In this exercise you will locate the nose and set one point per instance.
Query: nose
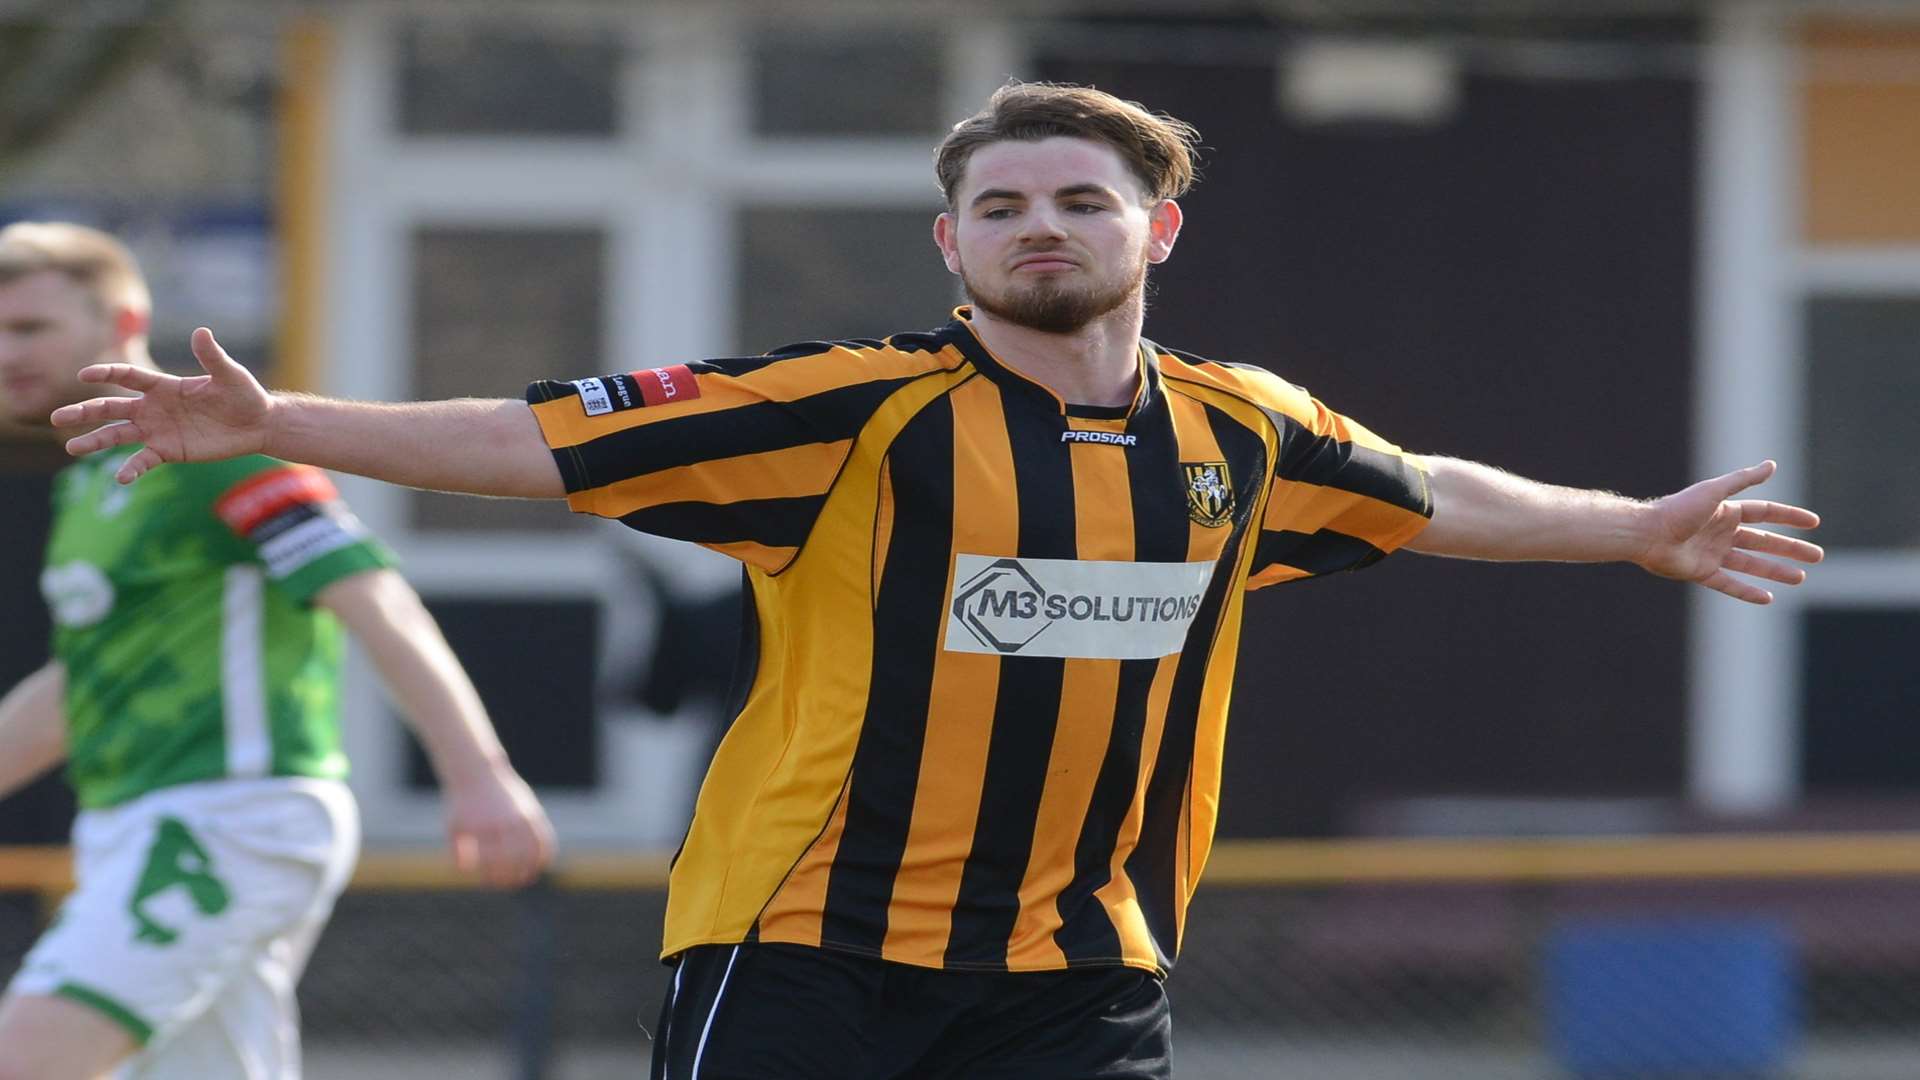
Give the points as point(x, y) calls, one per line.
point(1042, 223)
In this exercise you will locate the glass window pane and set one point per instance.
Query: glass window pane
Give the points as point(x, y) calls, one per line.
point(1860, 686)
point(812, 273)
point(464, 80)
point(1863, 443)
point(876, 82)
point(494, 309)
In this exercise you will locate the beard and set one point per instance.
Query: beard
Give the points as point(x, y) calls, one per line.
point(1054, 307)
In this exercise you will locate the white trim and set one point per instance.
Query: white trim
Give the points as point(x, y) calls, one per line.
point(243, 682)
point(1742, 722)
point(1875, 579)
point(1869, 271)
point(666, 1024)
point(701, 1050)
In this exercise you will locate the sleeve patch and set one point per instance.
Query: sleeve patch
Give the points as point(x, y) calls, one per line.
point(265, 496)
point(294, 548)
point(633, 389)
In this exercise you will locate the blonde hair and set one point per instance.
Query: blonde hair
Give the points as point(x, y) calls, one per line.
point(1161, 151)
point(93, 259)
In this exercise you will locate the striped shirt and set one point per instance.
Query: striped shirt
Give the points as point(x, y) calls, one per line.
point(994, 634)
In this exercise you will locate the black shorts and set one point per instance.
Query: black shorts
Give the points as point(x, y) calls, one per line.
point(789, 1012)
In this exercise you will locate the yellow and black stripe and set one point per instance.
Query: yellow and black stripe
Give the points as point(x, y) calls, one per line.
point(1014, 769)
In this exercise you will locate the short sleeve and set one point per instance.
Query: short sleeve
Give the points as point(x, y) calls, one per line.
point(736, 455)
point(1342, 498)
point(293, 521)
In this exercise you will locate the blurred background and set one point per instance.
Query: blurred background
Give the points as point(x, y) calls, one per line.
point(1485, 821)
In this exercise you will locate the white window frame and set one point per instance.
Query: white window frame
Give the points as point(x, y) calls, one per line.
point(1756, 277)
point(665, 187)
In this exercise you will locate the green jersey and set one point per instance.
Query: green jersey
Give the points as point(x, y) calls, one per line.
point(182, 611)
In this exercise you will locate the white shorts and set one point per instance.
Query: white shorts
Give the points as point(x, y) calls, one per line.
point(194, 912)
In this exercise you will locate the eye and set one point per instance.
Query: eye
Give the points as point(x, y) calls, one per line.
point(998, 213)
point(1086, 208)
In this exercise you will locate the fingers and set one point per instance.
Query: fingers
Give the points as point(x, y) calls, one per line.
point(114, 434)
point(138, 465)
point(466, 852)
point(98, 410)
point(505, 856)
point(1761, 512)
point(1755, 566)
point(1775, 544)
point(125, 375)
point(1739, 480)
point(1721, 581)
point(213, 359)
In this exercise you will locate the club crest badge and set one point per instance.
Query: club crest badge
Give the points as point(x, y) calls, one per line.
point(1209, 493)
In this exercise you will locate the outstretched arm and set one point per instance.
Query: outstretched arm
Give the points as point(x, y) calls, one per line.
point(495, 825)
point(473, 446)
point(1701, 534)
point(33, 727)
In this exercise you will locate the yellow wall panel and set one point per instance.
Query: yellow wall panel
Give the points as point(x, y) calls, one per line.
point(1860, 138)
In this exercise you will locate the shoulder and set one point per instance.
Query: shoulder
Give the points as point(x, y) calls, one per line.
point(216, 478)
point(1254, 385)
point(244, 491)
point(894, 356)
point(789, 373)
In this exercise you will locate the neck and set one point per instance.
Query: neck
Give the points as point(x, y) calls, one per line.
point(1098, 364)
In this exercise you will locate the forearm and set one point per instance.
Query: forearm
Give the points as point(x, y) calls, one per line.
point(435, 697)
point(469, 445)
point(1480, 512)
point(33, 731)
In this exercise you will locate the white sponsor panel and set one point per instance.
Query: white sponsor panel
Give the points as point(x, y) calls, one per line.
point(593, 395)
point(1075, 608)
point(307, 541)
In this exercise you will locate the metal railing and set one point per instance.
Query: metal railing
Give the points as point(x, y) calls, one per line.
point(1325, 959)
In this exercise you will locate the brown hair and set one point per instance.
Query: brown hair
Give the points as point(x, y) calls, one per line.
point(1159, 149)
point(93, 259)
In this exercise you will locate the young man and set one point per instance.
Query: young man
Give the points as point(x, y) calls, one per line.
point(192, 695)
point(998, 570)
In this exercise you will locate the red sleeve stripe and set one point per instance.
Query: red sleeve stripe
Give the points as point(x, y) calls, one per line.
point(257, 499)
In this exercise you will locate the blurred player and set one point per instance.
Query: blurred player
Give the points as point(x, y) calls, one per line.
point(998, 571)
point(192, 696)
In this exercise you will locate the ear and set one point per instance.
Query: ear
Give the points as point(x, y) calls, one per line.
point(1163, 228)
point(944, 227)
point(129, 323)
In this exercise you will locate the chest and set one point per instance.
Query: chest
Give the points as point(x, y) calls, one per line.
point(1164, 486)
point(112, 543)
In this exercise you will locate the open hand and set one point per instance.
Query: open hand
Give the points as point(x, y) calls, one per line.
point(221, 414)
point(1705, 536)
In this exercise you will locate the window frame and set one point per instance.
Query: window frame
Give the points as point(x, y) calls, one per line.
point(1757, 274)
point(664, 188)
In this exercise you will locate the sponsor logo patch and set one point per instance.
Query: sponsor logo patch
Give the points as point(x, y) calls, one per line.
point(1113, 437)
point(593, 396)
point(297, 547)
point(633, 389)
point(257, 499)
point(1072, 607)
point(1209, 492)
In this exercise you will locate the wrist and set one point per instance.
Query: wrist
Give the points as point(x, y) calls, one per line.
point(275, 421)
point(1639, 530)
point(476, 765)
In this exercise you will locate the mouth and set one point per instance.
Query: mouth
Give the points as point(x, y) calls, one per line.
point(1041, 264)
